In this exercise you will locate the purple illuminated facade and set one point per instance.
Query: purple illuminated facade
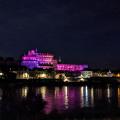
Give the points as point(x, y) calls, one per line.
point(38, 60)
point(46, 61)
point(70, 67)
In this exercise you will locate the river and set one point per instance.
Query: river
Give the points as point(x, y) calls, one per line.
point(61, 102)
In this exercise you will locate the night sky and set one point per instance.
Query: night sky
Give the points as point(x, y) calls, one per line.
point(80, 31)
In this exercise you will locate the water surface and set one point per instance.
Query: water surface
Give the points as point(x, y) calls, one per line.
point(66, 102)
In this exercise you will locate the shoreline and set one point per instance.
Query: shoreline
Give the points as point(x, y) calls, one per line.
point(53, 82)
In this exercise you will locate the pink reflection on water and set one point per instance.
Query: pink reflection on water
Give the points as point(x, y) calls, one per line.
point(65, 98)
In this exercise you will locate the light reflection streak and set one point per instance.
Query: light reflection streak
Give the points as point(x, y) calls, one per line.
point(86, 96)
point(99, 93)
point(118, 97)
point(92, 97)
point(56, 92)
point(1, 94)
point(24, 92)
point(81, 97)
point(42, 91)
point(66, 97)
point(108, 92)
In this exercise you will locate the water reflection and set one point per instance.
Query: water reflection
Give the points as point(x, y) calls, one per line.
point(84, 96)
point(69, 98)
point(108, 92)
point(20, 100)
point(57, 90)
point(42, 91)
point(59, 100)
point(119, 97)
point(92, 97)
point(1, 94)
point(24, 92)
point(66, 97)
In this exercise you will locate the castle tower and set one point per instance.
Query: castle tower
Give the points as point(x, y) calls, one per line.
point(59, 60)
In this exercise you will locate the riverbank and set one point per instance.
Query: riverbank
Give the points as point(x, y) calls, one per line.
point(54, 82)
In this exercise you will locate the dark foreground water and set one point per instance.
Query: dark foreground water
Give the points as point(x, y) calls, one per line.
point(65, 103)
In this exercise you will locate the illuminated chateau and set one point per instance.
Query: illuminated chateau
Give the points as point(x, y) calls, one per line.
point(33, 59)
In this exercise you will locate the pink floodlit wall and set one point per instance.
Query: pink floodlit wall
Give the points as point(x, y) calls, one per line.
point(37, 60)
point(70, 67)
point(42, 58)
point(46, 61)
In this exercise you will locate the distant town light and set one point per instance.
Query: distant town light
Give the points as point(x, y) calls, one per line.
point(1, 73)
point(25, 76)
point(43, 75)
